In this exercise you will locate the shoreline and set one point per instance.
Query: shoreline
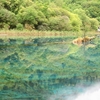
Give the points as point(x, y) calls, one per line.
point(41, 34)
point(35, 34)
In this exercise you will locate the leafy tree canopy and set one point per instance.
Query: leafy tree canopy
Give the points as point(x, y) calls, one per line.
point(60, 15)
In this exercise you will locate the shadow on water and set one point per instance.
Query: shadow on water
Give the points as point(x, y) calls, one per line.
point(39, 69)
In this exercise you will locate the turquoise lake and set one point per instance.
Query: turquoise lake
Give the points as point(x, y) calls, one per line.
point(48, 69)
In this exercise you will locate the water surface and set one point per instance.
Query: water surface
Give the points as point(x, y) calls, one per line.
point(48, 69)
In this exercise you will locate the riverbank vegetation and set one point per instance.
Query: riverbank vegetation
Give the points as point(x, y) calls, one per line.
point(49, 15)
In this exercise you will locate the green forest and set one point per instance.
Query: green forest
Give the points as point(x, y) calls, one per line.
point(49, 15)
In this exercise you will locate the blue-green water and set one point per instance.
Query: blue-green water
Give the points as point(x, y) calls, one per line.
point(47, 68)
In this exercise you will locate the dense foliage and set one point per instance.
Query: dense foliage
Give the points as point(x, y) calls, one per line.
point(59, 15)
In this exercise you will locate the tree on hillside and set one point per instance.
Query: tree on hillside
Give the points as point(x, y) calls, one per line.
point(86, 21)
point(31, 16)
point(92, 9)
point(7, 19)
point(12, 5)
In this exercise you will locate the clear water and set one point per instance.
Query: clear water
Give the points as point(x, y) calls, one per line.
point(49, 69)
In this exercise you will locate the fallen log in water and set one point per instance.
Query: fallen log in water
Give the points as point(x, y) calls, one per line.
point(80, 41)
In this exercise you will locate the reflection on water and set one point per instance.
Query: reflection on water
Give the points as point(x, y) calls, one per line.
point(47, 69)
